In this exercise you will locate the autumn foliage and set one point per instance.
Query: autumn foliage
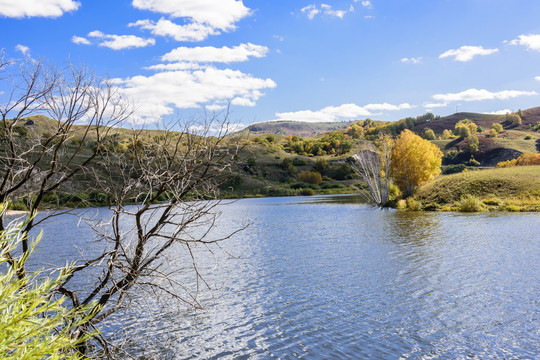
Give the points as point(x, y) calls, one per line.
point(415, 161)
point(522, 160)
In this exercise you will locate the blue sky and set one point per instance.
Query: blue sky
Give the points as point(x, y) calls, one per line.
point(299, 60)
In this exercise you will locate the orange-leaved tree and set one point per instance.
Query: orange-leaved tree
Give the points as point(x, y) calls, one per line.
point(415, 161)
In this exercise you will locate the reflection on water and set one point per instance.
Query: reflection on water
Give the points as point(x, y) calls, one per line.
point(330, 277)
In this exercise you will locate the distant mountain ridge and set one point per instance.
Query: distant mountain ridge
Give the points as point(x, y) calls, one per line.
point(298, 128)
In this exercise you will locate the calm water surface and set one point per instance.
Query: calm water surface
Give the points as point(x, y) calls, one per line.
point(329, 277)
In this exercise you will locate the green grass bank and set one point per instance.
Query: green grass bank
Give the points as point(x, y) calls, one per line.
point(504, 189)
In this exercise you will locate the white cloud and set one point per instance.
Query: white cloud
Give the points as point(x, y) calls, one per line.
point(37, 8)
point(278, 37)
point(531, 41)
point(80, 40)
point(366, 4)
point(499, 112)
point(338, 113)
point(467, 53)
point(160, 94)
point(435, 105)
point(327, 9)
point(25, 50)
point(175, 66)
point(310, 11)
point(188, 32)
point(222, 14)
point(209, 54)
point(216, 107)
point(387, 107)
point(537, 78)
point(482, 94)
point(119, 42)
point(417, 60)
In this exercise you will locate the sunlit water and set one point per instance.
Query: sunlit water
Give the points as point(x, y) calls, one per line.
point(327, 277)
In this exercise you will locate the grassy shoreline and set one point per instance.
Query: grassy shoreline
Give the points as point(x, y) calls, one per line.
point(506, 189)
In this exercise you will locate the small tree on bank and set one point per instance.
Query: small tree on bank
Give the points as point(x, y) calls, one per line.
point(415, 161)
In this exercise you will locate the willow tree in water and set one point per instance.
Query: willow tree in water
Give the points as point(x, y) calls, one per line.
point(373, 164)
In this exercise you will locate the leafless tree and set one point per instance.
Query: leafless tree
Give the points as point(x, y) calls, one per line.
point(373, 164)
point(171, 177)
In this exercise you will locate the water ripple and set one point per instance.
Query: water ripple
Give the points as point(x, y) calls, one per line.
point(312, 279)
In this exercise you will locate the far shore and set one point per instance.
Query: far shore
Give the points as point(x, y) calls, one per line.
point(16, 212)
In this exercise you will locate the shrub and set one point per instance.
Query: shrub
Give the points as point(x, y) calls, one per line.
point(311, 177)
point(21, 130)
point(413, 205)
point(528, 137)
point(320, 165)
point(473, 162)
point(299, 161)
point(470, 203)
point(332, 185)
point(393, 192)
point(301, 185)
point(507, 163)
point(492, 201)
point(454, 169)
point(447, 134)
point(522, 160)
point(513, 119)
point(34, 323)
point(528, 159)
point(497, 127)
point(465, 127)
point(307, 192)
point(492, 133)
point(401, 204)
point(472, 143)
point(451, 156)
point(429, 134)
point(286, 164)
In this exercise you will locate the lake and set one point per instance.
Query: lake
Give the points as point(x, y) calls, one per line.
point(330, 277)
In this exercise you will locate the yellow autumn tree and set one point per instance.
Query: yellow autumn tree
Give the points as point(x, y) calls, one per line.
point(415, 161)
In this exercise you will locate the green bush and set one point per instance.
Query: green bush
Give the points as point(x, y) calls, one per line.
point(470, 203)
point(428, 134)
point(497, 127)
point(454, 169)
point(299, 161)
point(307, 192)
point(331, 185)
point(513, 119)
point(303, 185)
point(21, 130)
point(473, 162)
point(34, 323)
point(99, 197)
point(413, 204)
